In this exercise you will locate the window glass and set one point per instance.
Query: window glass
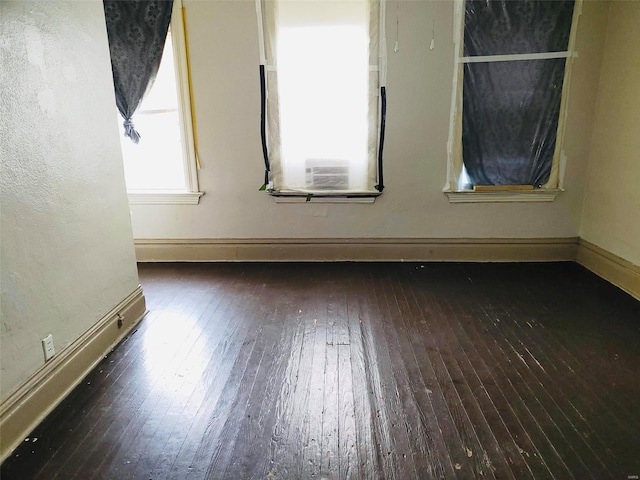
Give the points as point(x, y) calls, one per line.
point(511, 106)
point(323, 113)
point(323, 70)
point(156, 162)
point(510, 27)
point(510, 120)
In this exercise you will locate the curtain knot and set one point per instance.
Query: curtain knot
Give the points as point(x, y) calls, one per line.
point(130, 131)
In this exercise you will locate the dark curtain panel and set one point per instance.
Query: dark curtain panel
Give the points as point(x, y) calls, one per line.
point(137, 30)
point(521, 26)
point(511, 109)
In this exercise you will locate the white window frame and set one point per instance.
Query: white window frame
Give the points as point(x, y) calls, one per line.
point(267, 45)
point(555, 185)
point(191, 195)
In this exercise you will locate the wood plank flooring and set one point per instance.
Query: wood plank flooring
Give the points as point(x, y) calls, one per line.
point(364, 371)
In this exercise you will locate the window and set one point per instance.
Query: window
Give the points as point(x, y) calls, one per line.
point(322, 65)
point(161, 168)
point(511, 77)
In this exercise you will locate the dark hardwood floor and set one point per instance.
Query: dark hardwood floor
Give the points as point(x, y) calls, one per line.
point(336, 371)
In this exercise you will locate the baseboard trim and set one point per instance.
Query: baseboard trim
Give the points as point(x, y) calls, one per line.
point(612, 268)
point(357, 250)
point(25, 408)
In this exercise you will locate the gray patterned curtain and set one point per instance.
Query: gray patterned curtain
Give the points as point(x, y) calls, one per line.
point(511, 109)
point(137, 30)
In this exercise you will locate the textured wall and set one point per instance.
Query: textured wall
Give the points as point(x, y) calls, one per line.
point(224, 61)
point(66, 245)
point(611, 216)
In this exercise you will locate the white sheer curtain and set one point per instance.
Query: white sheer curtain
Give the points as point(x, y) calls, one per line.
point(324, 62)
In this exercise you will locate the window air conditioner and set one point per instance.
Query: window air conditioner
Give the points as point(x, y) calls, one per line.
point(327, 174)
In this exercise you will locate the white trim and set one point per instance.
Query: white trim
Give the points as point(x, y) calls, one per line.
point(184, 96)
point(558, 167)
point(261, 49)
point(562, 168)
point(458, 42)
point(514, 57)
point(164, 198)
point(458, 10)
point(382, 43)
point(32, 401)
point(471, 196)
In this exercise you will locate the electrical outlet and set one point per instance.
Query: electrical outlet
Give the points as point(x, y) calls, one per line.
point(47, 346)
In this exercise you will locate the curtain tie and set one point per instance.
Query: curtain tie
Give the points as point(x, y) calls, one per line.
point(130, 131)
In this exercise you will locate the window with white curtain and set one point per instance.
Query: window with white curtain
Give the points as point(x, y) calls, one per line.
point(323, 78)
point(161, 168)
point(511, 79)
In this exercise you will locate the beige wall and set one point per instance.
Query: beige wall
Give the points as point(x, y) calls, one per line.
point(224, 60)
point(611, 217)
point(66, 243)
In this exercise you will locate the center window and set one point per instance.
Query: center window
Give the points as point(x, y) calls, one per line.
point(323, 102)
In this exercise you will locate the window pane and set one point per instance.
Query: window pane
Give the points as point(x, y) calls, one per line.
point(156, 163)
point(510, 27)
point(510, 120)
point(163, 93)
point(323, 87)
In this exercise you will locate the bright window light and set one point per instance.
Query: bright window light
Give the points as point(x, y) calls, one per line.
point(156, 162)
point(323, 87)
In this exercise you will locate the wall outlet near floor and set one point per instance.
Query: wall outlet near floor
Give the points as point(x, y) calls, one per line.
point(47, 346)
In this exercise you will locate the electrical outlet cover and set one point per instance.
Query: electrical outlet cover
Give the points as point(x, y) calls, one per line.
point(47, 346)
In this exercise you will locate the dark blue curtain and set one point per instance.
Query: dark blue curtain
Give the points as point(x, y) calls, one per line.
point(511, 109)
point(137, 30)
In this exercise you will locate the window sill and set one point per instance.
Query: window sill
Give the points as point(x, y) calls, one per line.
point(304, 199)
point(335, 196)
point(163, 198)
point(502, 197)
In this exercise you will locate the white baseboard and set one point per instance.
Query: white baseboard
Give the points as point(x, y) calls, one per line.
point(612, 268)
point(25, 408)
point(357, 250)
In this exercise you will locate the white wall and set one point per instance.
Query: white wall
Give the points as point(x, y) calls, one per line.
point(611, 217)
point(224, 61)
point(66, 245)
